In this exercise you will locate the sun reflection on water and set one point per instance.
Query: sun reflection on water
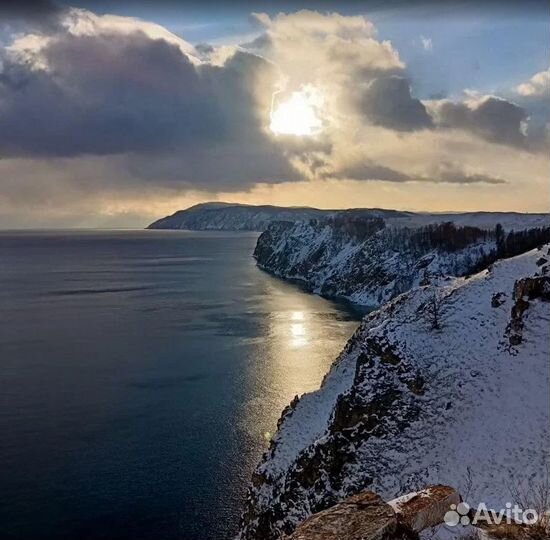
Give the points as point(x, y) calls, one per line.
point(304, 334)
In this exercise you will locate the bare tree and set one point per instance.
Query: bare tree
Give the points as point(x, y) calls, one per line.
point(534, 494)
point(434, 311)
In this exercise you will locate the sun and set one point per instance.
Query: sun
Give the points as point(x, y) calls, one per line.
point(299, 114)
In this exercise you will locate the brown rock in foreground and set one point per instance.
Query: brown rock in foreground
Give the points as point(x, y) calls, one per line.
point(363, 516)
point(426, 508)
point(367, 517)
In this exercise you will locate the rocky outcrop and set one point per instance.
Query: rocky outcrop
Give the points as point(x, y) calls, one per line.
point(407, 404)
point(366, 516)
point(426, 508)
point(525, 291)
point(362, 517)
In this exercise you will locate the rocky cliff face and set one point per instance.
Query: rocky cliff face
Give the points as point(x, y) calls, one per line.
point(369, 261)
point(430, 389)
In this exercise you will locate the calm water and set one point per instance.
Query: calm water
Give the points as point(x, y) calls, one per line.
point(140, 375)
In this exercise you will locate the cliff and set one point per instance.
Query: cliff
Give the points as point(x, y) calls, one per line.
point(434, 387)
point(372, 260)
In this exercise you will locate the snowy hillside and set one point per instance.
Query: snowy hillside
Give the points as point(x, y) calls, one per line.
point(445, 384)
point(370, 261)
point(231, 217)
point(483, 220)
point(244, 217)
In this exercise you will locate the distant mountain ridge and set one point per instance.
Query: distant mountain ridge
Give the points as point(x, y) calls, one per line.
point(222, 216)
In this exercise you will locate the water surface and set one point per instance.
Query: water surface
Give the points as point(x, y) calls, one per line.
point(141, 373)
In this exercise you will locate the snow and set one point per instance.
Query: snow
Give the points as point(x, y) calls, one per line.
point(242, 217)
point(397, 503)
point(484, 220)
point(481, 424)
point(310, 418)
point(365, 270)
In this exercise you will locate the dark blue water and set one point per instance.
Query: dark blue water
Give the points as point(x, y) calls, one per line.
point(141, 373)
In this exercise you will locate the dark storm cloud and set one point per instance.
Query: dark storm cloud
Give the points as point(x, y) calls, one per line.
point(104, 95)
point(453, 174)
point(495, 119)
point(28, 8)
point(27, 15)
point(538, 125)
point(368, 170)
point(387, 102)
point(421, 6)
point(128, 93)
point(204, 49)
point(445, 173)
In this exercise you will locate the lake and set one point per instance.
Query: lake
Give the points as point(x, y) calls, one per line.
point(141, 375)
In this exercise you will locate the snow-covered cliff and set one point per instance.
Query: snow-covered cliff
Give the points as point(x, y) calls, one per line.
point(447, 383)
point(371, 260)
point(368, 265)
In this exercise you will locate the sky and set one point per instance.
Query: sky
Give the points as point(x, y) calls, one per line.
point(115, 114)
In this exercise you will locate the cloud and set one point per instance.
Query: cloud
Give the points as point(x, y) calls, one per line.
point(24, 15)
point(110, 85)
point(104, 90)
point(368, 170)
point(387, 102)
point(538, 85)
point(453, 173)
point(443, 173)
point(80, 22)
point(103, 95)
point(120, 114)
point(28, 8)
point(340, 55)
point(326, 50)
point(492, 118)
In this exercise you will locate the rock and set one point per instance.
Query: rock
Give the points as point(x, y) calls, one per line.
point(498, 299)
point(511, 531)
point(361, 517)
point(532, 288)
point(426, 508)
point(288, 410)
point(525, 290)
point(367, 517)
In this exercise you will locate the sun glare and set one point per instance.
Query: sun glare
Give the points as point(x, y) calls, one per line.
point(298, 115)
